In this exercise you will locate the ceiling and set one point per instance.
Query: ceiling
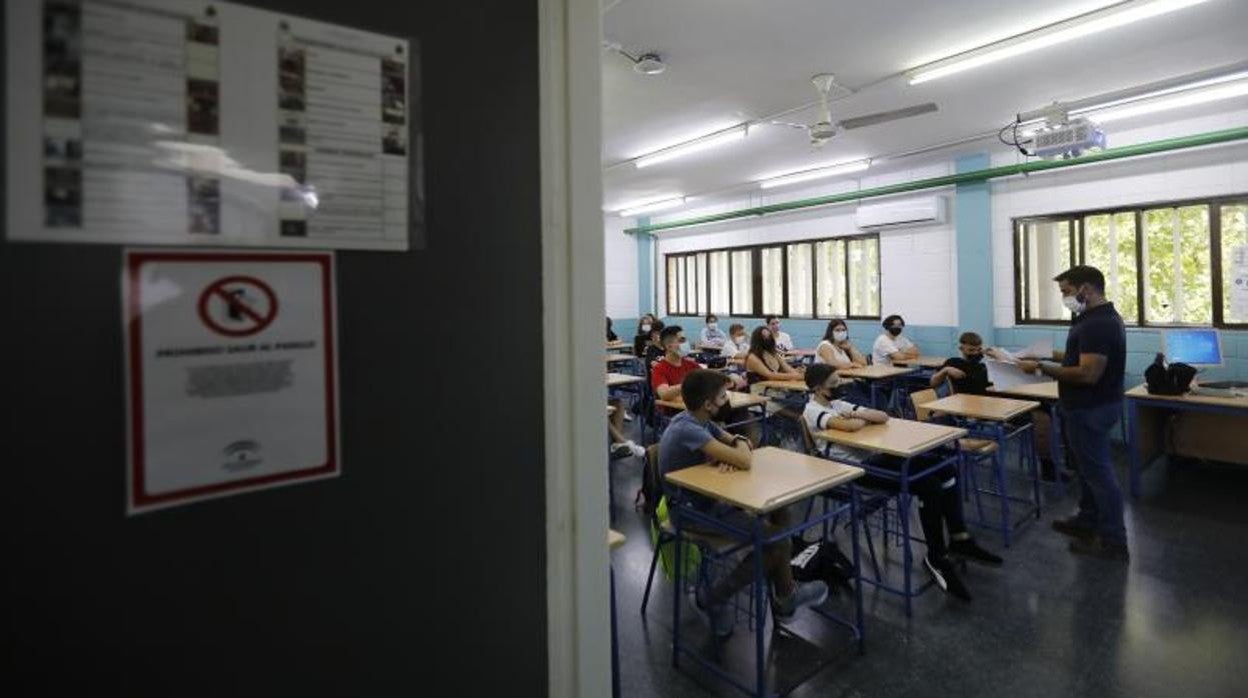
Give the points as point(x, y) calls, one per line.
point(736, 60)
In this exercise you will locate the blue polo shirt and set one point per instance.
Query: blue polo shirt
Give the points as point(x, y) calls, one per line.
point(1097, 331)
point(681, 447)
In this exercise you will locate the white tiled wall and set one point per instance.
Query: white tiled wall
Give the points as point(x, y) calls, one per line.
point(1214, 171)
point(621, 268)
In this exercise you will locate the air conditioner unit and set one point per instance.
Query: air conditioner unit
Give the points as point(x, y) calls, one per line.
point(897, 214)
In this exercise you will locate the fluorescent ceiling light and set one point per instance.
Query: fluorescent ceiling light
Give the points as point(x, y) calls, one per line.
point(694, 146)
point(652, 206)
point(1212, 94)
point(1052, 35)
point(808, 175)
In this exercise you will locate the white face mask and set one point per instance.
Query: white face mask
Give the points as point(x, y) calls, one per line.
point(712, 325)
point(645, 329)
point(840, 335)
point(1072, 304)
point(739, 341)
point(683, 349)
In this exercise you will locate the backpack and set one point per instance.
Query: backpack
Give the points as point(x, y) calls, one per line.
point(1168, 380)
point(821, 560)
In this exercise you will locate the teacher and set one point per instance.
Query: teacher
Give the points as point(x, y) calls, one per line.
point(1089, 384)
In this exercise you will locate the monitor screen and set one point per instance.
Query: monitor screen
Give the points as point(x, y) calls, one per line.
point(1199, 347)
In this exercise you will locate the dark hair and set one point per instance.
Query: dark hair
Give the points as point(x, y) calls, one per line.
point(1082, 274)
point(669, 332)
point(734, 327)
point(611, 336)
point(657, 326)
point(889, 320)
point(970, 338)
point(712, 315)
point(767, 320)
point(701, 385)
point(756, 340)
point(832, 325)
point(642, 320)
point(816, 374)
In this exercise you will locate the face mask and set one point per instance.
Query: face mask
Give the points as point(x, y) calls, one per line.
point(895, 331)
point(645, 329)
point(739, 340)
point(683, 349)
point(840, 335)
point(1073, 303)
point(712, 325)
point(974, 358)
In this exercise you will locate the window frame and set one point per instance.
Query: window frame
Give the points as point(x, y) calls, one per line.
point(1079, 246)
point(756, 273)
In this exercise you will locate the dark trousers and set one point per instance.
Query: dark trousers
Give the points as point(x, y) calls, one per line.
point(1100, 499)
point(776, 555)
point(940, 502)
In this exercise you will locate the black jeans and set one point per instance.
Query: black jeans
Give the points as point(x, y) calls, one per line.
point(940, 501)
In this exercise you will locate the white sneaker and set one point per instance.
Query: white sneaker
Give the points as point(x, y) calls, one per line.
point(638, 451)
point(628, 417)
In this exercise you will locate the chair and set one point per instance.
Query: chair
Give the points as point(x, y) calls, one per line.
point(665, 533)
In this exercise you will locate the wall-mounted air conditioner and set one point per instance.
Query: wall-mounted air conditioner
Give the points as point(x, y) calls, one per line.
point(928, 210)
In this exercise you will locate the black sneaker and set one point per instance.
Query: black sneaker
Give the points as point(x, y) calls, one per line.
point(1074, 527)
point(942, 571)
point(1100, 548)
point(970, 550)
point(1049, 472)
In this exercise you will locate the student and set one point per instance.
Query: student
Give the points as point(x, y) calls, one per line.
point(835, 349)
point(692, 439)
point(737, 346)
point(712, 336)
point(642, 338)
point(621, 446)
point(653, 350)
point(892, 345)
point(966, 373)
point(783, 341)
point(669, 372)
point(611, 336)
point(764, 362)
point(940, 502)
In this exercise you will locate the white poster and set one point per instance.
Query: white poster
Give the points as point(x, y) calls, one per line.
point(1237, 282)
point(206, 123)
point(231, 372)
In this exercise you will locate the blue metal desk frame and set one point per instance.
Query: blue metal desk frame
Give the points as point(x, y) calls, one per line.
point(1134, 461)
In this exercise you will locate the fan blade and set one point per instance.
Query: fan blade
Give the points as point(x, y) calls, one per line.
point(885, 116)
point(803, 127)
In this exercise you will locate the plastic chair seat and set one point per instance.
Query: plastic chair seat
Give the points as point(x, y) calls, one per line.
point(978, 446)
point(718, 544)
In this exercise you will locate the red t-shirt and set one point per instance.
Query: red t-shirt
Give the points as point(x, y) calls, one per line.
point(664, 373)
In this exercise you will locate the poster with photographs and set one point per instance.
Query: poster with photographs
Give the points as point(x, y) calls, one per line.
point(150, 120)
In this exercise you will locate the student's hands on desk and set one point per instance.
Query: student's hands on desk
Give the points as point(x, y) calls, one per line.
point(741, 444)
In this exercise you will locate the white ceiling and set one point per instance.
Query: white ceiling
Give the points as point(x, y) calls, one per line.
point(737, 60)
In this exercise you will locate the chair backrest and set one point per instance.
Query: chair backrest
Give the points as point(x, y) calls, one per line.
point(812, 448)
point(919, 398)
point(651, 487)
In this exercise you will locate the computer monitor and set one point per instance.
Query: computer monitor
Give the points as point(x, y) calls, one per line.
point(1195, 346)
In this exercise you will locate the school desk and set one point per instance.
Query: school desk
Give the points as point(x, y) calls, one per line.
point(1200, 426)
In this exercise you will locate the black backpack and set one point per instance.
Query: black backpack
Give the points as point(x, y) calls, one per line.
point(821, 560)
point(1168, 380)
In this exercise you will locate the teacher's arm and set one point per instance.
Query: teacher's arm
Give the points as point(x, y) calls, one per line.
point(1090, 369)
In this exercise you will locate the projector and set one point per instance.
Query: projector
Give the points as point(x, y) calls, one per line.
point(1067, 140)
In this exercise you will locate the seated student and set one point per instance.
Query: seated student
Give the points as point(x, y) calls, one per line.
point(764, 362)
point(667, 373)
point(892, 345)
point(611, 336)
point(621, 445)
point(783, 341)
point(652, 350)
point(642, 338)
point(966, 373)
point(712, 336)
point(692, 439)
point(737, 345)
point(835, 349)
point(940, 502)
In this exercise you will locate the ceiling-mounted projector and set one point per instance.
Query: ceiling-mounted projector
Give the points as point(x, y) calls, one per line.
point(1067, 139)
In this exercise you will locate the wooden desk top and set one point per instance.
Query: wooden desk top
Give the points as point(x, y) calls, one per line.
point(619, 358)
point(1140, 392)
point(614, 538)
point(997, 409)
point(800, 352)
point(710, 347)
point(776, 478)
point(896, 437)
point(1046, 391)
point(618, 379)
point(736, 400)
point(922, 362)
point(874, 372)
point(618, 344)
point(793, 386)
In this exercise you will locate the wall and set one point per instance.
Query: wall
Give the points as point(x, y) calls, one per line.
point(620, 258)
point(387, 581)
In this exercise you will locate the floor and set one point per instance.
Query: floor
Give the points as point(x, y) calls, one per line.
point(1174, 622)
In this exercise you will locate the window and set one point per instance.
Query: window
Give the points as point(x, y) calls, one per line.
point(1233, 265)
point(773, 281)
point(838, 277)
point(1163, 265)
point(801, 286)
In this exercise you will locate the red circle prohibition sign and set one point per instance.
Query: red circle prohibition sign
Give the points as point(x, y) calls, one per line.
point(243, 317)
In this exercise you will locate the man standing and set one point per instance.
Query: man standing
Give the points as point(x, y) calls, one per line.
point(1090, 394)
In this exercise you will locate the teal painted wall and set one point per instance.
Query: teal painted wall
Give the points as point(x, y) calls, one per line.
point(645, 275)
point(972, 212)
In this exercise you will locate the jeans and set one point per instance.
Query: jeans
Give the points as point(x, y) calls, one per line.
point(1100, 500)
point(776, 555)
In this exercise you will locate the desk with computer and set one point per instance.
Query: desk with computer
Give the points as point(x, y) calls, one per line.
point(1208, 422)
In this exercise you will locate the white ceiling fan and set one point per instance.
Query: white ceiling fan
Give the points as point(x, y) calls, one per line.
point(825, 129)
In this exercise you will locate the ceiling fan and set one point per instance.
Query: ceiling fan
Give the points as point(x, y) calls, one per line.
point(825, 129)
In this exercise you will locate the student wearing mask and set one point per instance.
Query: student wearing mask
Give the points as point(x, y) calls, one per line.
point(737, 345)
point(783, 341)
point(835, 349)
point(653, 350)
point(642, 338)
point(940, 502)
point(966, 373)
point(692, 439)
point(669, 372)
point(712, 336)
point(892, 344)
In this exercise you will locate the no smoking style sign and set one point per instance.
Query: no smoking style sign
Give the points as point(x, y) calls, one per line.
point(231, 373)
